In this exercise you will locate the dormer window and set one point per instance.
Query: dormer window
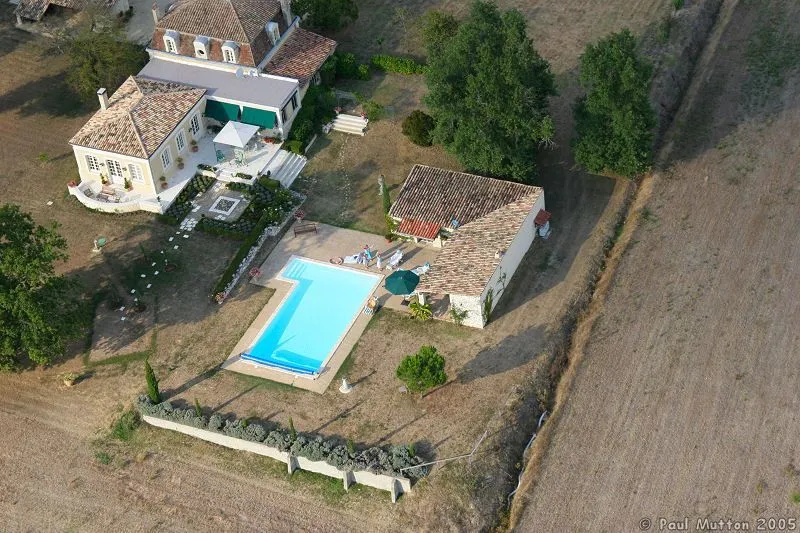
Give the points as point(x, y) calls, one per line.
point(201, 47)
point(171, 40)
point(230, 52)
point(274, 32)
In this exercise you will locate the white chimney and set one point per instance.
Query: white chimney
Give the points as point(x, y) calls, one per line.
point(102, 95)
point(286, 7)
point(155, 12)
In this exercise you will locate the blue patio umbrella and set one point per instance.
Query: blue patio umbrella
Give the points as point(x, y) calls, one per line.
point(401, 282)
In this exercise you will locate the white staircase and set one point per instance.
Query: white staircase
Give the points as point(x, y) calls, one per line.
point(352, 124)
point(286, 166)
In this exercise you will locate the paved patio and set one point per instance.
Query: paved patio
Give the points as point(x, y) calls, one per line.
point(327, 243)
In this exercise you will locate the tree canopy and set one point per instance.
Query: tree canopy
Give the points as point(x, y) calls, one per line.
point(488, 92)
point(423, 370)
point(101, 58)
point(614, 120)
point(326, 14)
point(39, 310)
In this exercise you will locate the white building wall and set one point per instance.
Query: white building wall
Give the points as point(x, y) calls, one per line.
point(473, 305)
point(513, 255)
point(504, 272)
point(124, 160)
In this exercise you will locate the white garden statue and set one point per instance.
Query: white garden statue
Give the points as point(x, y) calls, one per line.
point(345, 387)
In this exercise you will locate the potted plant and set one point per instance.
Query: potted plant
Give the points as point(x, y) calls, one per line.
point(103, 179)
point(72, 184)
point(179, 160)
point(337, 109)
point(164, 185)
point(194, 146)
point(70, 378)
point(128, 185)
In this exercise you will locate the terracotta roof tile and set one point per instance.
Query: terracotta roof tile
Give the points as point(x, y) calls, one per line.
point(35, 9)
point(441, 196)
point(418, 228)
point(301, 55)
point(469, 258)
point(140, 116)
point(235, 20)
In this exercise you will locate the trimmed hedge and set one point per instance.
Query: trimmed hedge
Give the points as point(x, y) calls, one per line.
point(400, 65)
point(388, 461)
point(182, 205)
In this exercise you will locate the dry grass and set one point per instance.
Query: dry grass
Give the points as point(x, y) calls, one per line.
point(687, 371)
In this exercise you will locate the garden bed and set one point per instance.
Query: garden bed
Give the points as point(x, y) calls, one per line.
point(182, 205)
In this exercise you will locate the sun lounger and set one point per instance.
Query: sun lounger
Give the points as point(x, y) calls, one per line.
point(394, 261)
point(422, 269)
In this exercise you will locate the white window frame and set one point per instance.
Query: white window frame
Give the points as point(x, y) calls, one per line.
point(201, 47)
point(194, 125)
point(274, 32)
point(166, 158)
point(230, 52)
point(113, 165)
point(136, 173)
point(180, 141)
point(93, 164)
point(170, 45)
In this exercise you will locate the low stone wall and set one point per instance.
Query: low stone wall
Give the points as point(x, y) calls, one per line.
point(115, 207)
point(395, 485)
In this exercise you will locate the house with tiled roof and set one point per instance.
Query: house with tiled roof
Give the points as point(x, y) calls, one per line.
point(248, 62)
point(138, 136)
point(483, 226)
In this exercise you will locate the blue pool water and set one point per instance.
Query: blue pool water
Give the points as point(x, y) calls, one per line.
point(313, 318)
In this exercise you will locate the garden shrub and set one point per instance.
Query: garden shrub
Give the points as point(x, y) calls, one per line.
point(182, 205)
point(373, 110)
point(234, 428)
point(125, 425)
point(255, 433)
point(423, 370)
point(279, 439)
point(341, 458)
point(152, 383)
point(400, 65)
point(294, 146)
point(417, 127)
point(215, 423)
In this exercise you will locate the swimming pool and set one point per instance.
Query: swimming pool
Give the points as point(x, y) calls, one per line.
point(314, 317)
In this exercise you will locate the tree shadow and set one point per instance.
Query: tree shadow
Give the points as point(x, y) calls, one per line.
point(399, 428)
point(49, 95)
point(343, 414)
point(510, 353)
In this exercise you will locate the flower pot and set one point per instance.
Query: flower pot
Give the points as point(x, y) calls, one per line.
point(69, 382)
point(180, 165)
point(195, 148)
point(164, 185)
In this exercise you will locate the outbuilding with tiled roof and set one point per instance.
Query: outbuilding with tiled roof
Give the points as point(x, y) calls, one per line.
point(484, 226)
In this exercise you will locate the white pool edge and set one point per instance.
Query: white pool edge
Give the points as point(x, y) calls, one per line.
point(279, 276)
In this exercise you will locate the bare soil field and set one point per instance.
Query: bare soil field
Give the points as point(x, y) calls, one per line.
point(685, 399)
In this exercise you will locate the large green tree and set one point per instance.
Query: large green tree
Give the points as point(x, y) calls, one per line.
point(326, 14)
point(39, 310)
point(614, 120)
point(101, 58)
point(488, 92)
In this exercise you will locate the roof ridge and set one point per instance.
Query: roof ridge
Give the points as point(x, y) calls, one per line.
point(535, 193)
point(137, 131)
point(239, 21)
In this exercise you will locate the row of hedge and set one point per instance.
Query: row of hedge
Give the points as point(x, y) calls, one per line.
point(269, 205)
point(388, 461)
point(400, 65)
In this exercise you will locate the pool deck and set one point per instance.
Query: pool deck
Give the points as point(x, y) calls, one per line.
point(327, 243)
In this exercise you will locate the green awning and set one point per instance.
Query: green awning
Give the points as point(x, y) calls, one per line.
point(258, 117)
point(222, 111)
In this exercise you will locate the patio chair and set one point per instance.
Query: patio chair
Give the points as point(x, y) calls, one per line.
point(220, 156)
point(423, 269)
point(372, 304)
point(394, 260)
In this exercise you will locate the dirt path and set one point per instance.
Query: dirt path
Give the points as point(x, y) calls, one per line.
point(685, 403)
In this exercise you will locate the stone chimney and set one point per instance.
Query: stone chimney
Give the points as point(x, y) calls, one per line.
point(155, 12)
point(286, 8)
point(102, 95)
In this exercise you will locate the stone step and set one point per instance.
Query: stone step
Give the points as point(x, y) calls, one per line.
point(353, 130)
point(291, 169)
point(350, 119)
